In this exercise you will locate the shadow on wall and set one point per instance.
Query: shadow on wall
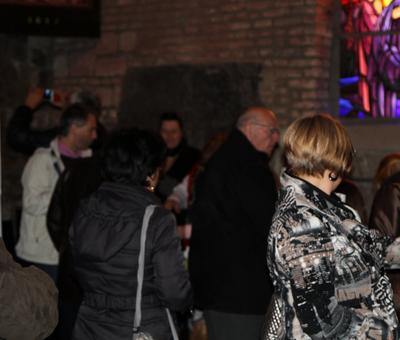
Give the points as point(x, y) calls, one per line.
point(209, 97)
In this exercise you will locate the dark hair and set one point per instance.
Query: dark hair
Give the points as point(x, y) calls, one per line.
point(74, 114)
point(171, 116)
point(132, 155)
point(87, 98)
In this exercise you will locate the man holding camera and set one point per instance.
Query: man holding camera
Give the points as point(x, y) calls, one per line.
point(24, 137)
point(20, 135)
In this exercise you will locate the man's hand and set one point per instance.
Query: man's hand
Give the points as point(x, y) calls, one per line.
point(34, 98)
point(172, 205)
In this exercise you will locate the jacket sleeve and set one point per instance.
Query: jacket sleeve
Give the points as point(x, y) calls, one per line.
point(307, 262)
point(180, 193)
point(37, 188)
point(171, 278)
point(57, 219)
point(21, 137)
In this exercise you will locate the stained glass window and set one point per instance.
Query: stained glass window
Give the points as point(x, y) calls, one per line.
point(370, 59)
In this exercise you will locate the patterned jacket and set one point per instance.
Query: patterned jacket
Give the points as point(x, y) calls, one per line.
point(327, 268)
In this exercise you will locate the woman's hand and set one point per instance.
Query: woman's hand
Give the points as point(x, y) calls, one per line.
point(392, 259)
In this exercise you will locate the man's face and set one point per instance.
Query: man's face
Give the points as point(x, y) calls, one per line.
point(264, 134)
point(85, 134)
point(171, 133)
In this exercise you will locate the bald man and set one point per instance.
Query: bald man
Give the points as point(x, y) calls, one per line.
point(232, 212)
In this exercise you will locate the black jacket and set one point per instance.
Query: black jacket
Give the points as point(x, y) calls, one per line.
point(21, 137)
point(232, 212)
point(105, 247)
point(77, 182)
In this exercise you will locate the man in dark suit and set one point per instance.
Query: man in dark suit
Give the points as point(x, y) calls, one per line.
point(233, 208)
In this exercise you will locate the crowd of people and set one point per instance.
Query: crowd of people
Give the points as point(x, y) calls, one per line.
point(146, 237)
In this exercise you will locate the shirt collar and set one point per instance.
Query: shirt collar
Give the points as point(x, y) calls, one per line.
point(67, 152)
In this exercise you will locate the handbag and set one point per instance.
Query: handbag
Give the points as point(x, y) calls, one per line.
point(137, 333)
point(274, 326)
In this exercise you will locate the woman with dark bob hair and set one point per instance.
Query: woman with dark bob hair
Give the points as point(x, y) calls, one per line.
point(106, 242)
point(327, 268)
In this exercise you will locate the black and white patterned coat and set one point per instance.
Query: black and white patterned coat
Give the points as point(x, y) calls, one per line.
point(327, 268)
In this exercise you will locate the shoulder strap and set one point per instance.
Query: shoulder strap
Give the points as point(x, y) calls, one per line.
point(138, 309)
point(145, 224)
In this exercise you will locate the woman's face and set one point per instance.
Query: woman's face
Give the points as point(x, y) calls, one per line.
point(171, 133)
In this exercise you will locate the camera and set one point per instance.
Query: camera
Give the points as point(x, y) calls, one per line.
point(48, 94)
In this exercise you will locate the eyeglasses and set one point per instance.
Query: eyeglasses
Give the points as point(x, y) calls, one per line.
point(271, 129)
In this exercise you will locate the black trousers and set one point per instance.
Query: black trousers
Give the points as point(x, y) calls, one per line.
point(229, 326)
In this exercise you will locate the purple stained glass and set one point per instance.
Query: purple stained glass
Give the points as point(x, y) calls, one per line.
point(373, 57)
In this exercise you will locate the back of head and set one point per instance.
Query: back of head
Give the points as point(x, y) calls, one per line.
point(88, 99)
point(74, 114)
point(131, 156)
point(388, 166)
point(317, 143)
point(254, 115)
point(260, 126)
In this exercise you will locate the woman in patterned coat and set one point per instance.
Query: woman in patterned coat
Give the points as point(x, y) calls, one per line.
point(327, 268)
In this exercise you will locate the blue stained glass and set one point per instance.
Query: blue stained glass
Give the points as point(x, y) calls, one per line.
point(348, 81)
point(345, 107)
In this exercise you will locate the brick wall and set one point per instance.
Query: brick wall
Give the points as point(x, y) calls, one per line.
point(23, 62)
point(290, 38)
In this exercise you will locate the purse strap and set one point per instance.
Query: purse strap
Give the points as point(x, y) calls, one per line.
point(140, 274)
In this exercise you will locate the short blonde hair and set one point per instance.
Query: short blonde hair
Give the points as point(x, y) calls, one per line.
point(317, 143)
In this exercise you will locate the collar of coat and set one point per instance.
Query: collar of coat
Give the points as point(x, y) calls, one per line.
point(244, 149)
point(307, 195)
point(56, 155)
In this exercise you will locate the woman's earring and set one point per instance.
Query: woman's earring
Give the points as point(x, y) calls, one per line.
point(151, 185)
point(333, 177)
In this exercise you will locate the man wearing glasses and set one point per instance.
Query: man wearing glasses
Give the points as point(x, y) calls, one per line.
point(232, 211)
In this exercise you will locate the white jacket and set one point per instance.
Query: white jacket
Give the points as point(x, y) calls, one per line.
point(38, 182)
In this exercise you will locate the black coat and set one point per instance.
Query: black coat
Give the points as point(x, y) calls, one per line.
point(232, 212)
point(105, 246)
point(21, 137)
point(80, 179)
